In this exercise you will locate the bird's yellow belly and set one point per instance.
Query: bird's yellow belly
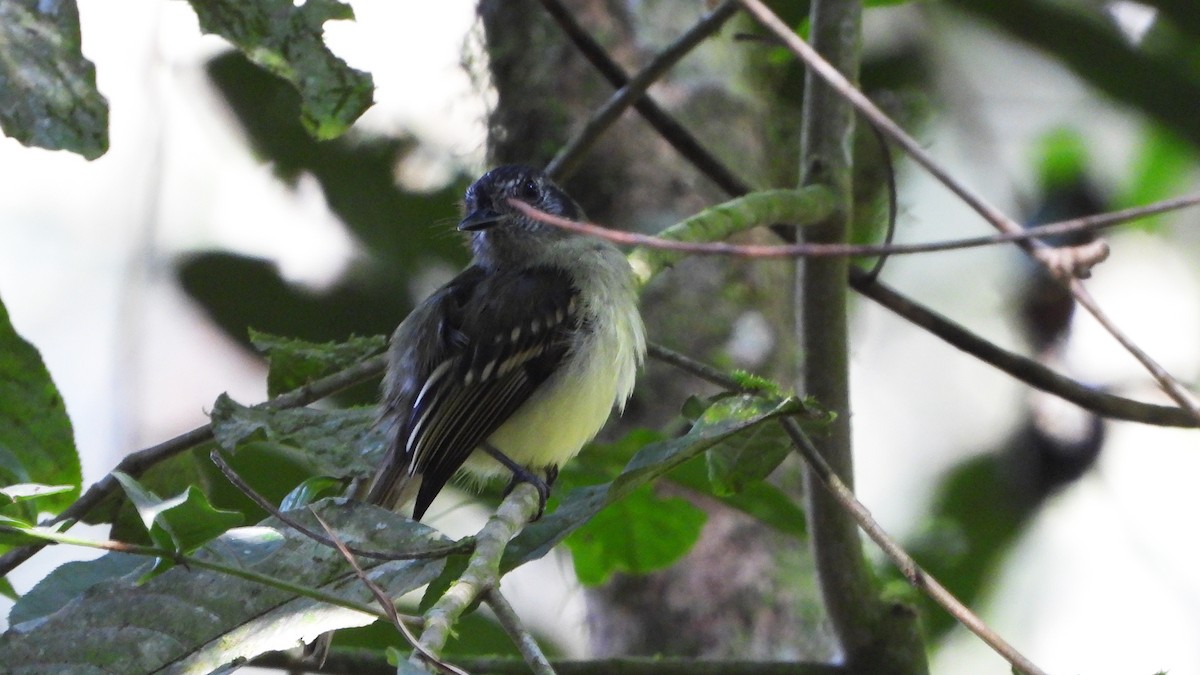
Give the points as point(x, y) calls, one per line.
point(553, 425)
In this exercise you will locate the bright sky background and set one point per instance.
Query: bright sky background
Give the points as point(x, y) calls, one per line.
point(1105, 581)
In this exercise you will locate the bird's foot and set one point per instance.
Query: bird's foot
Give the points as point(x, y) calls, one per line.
point(521, 474)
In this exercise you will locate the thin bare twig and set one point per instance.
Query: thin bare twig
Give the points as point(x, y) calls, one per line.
point(566, 161)
point(810, 250)
point(918, 577)
point(1062, 264)
point(530, 651)
point(666, 125)
point(382, 598)
point(886, 154)
point(1022, 368)
point(862, 516)
point(137, 463)
point(237, 481)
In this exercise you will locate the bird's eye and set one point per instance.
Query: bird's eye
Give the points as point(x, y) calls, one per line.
point(530, 191)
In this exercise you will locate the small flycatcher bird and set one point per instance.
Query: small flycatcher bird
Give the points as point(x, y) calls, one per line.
point(516, 363)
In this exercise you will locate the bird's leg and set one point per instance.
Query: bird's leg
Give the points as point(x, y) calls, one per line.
point(523, 475)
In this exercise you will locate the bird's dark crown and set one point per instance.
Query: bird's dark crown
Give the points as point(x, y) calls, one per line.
point(489, 195)
point(500, 234)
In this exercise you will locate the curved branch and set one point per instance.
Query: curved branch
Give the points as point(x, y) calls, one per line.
point(1024, 369)
point(811, 209)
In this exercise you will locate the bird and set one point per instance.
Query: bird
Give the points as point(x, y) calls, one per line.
point(516, 363)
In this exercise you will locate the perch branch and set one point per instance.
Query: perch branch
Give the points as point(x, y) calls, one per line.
point(483, 568)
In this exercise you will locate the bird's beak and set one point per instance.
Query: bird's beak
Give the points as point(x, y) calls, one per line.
point(480, 219)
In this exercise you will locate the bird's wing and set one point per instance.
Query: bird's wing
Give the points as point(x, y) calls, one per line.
point(500, 336)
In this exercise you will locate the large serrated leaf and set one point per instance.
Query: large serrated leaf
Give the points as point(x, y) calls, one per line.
point(70, 580)
point(48, 95)
point(339, 442)
point(286, 38)
point(293, 363)
point(195, 621)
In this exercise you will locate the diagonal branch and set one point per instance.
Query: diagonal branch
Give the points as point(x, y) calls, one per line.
point(862, 516)
point(1024, 369)
point(530, 651)
point(1062, 264)
point(916, 576)
point(666, 125)
point(483, 568)
point(569, 156)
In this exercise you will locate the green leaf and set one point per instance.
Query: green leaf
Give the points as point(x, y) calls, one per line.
point(17, 532)
point(22, 492)
point(317, 487)
point(341, 442)
point(454, 568)
point(285, 38)
point(1164, 166)
point(70, 580)
point(167, 477)
point(760, 500)
point(182, 523)
point(651, 462)
point(48, 95)
point(37, 444)
point(746, 457)
point(637, 535)
point(294, 363)
point(196, 620)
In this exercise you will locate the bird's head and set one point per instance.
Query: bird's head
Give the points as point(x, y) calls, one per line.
point(498, 230)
